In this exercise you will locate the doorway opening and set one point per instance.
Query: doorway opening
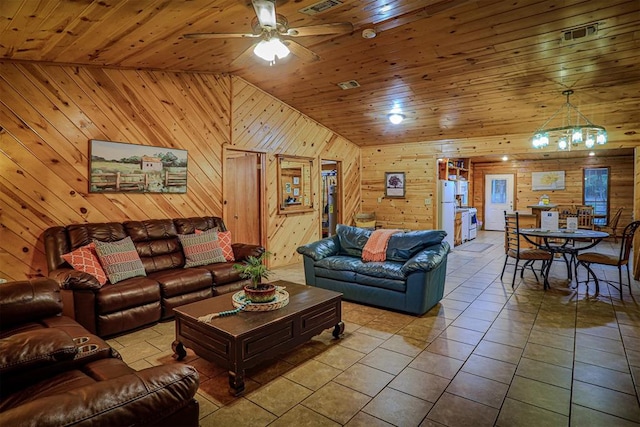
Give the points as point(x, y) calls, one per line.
point(331, 199)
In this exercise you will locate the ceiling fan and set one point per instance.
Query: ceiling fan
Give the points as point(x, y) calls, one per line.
point(274, 31)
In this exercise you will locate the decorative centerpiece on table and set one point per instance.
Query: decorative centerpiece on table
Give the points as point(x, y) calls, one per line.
point(255, 269)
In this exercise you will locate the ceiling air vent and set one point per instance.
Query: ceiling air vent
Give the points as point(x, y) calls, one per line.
point(348, 84)
point(320, 7)
point(579, 32)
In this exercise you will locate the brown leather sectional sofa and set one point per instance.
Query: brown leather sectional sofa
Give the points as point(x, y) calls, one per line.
point(112, 309)
point(54, 372)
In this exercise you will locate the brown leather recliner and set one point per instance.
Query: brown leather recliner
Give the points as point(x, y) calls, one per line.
point(132, 303)
point(54, 372)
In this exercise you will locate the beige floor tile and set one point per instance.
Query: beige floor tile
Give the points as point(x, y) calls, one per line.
point(337, 402)
point(455, 411)
point(206, 406)
point(340, 357)
point(545, 372)
point(542, 395)
point(404, 345)
point(505, 353)
point(360, 342)
point(301, 416)
point(139, 350)
point(450, 348)
point(241, 412)
point(362, 419)
point(605, 400)
point(364, 379)
point(600, 343)
point(420, 384)
point(550, 355)
point(520, 414)
point(552, 340)
point(398, 408)
point(581, 416)
point(615, 380)
point(490, 368)
point(467, 322)
point(478, 389)
point(437, 364)
point(510, 338)
point(421, 333)
point(279, 396)
point(268, 371)
point(601, 358)
point(386, 360)
point(313, 374)
point(463, 335)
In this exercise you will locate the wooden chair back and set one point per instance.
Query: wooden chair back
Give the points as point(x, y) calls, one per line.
point(585, 217)
point(511, 235)
point(627, 242)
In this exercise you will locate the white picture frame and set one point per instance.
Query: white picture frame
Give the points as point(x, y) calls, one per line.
point(551, 180)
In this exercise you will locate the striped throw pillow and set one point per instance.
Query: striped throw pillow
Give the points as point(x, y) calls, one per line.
point(201, 248)
point(120, 259)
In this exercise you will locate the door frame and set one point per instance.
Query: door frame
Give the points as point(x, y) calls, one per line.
point(262, 156)
point(486, 189)
point(339, 204)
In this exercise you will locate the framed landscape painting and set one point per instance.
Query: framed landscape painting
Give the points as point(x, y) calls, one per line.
point(118, 167)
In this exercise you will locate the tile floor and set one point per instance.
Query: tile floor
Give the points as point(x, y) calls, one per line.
point(485, 356)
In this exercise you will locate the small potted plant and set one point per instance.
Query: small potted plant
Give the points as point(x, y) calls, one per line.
point(253, 268)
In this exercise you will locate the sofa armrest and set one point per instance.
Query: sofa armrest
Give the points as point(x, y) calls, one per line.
point(68, 278)
point(25, 351)
point(28, 300)
point(321, 249)
point(427, 259)
point(140, 398)
point(241, 251)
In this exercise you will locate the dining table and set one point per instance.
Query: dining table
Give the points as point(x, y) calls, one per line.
point(562, 242)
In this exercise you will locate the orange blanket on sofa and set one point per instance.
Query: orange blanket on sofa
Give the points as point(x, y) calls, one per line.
point(376, 247)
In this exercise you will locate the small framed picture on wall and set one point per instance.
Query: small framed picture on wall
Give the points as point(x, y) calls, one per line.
point(394, 184)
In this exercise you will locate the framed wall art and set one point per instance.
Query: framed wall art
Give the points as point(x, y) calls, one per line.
point(553, 180)
point(394, 184)
point(118, 167)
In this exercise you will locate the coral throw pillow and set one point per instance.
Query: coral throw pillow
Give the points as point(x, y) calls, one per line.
point(85, 259)
point(224, 237)
point(201, 248)
point(120, 259)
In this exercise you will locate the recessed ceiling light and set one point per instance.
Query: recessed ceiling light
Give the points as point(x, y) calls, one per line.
point(591, 153)
point(505, 158)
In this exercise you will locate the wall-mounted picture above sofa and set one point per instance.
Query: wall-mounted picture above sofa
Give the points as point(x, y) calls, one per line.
point(118, 167)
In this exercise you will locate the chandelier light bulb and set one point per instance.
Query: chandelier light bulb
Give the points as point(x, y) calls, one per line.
point(601, 138)
point(576, 136)
point(590, 142)
point(563, 144)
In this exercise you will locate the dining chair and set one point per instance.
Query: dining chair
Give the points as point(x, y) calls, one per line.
point(622, 259)
point(585, 217)
point(513, 250)
point(564, 211)
point(611, 225)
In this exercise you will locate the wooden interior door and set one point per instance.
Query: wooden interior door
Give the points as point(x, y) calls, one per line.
point(243, 196)
point(499, 191)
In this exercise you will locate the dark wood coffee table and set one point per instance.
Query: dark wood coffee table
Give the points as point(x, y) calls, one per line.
point(243, 340)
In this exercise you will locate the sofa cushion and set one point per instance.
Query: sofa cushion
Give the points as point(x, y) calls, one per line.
point(34, 348)
point(388, 269)
point(85, 259)
point(223, 273)
point(133, 292)
point(182, 281)
point(352, 239)
point(403, 246)
point(120, 259)
point(201, 248)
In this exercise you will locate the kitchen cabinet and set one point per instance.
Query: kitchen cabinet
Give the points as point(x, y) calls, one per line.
point(457, 229)
point(453, 169)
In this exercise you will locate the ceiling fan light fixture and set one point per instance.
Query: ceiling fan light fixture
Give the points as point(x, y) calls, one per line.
point(270, 49)
point(396, 118)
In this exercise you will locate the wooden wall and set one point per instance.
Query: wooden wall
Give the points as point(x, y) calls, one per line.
point(621, 182)
point(419, 162)
point(48, 113)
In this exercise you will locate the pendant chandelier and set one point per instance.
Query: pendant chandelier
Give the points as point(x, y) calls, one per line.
point(569, 134)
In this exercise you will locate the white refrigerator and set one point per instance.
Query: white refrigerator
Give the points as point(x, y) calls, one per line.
point(447, 208)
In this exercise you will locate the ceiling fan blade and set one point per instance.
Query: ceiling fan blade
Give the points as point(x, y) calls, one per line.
point(301, 52)
point(266, 12)
point(244, 57)
point(321, 30)
point(219, 36)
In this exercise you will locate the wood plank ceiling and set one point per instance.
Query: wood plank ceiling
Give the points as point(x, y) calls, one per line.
point(458, 69)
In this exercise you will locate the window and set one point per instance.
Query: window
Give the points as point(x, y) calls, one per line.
point(596, 193)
